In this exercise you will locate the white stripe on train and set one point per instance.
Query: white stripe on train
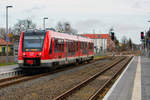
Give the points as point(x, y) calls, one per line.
point(54, 60)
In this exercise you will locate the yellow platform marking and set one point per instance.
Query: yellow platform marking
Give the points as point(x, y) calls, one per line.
point(136, 94)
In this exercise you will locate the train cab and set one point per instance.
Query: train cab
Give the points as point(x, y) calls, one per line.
point(31, 48)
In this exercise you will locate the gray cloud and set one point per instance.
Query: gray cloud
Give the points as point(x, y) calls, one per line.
point(127, 16)
point(89, 24)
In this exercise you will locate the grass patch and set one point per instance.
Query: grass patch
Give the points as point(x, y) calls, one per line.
point(4, 64)
point(97, 57)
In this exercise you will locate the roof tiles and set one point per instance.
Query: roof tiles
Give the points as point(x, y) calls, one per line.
point(3, 42)
point(97, 36)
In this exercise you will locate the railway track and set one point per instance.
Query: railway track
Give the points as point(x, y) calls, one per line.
point(20, 76)
point(91, 88)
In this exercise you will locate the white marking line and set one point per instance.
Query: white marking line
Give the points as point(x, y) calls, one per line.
point(117, 81)
point(136, 95)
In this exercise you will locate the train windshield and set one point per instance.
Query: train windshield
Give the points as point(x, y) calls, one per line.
point(33, 42)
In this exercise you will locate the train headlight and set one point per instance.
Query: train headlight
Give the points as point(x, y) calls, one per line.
point(24, 54)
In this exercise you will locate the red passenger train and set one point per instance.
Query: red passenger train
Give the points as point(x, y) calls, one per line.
point(46, 48)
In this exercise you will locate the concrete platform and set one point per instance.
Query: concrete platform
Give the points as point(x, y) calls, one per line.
point(134, 82)
point(8, 68)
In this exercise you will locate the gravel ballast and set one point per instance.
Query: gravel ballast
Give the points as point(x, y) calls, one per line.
point(47, 87)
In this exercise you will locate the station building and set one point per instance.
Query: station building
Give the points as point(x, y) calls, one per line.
point(102, 42)
point(3, 47)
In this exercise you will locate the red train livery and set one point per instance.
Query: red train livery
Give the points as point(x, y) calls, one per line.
point(39, 48)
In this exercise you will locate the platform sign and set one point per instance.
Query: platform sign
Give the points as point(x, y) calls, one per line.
point(16, 51)
point(149, 39)
point(7, 39)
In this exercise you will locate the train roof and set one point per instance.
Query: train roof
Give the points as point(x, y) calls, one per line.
point(69, 36)
point(55, 34)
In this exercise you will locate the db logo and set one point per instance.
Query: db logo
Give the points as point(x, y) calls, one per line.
point(31, 54)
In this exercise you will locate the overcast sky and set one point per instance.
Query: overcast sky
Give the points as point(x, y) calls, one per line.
point(127, 17)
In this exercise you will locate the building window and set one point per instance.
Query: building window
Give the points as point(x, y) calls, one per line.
point(3, 51)
point(99, 36)
point(11, 50)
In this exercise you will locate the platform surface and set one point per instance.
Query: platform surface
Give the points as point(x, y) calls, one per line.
point(145, 80)
point(134, 83)
point(8, 68)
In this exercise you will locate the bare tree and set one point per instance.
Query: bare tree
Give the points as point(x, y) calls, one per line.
point(124, 40)
point(65, 27)
point(2, 33)
point(22, 25)
point(130, 43)
point(59, 27)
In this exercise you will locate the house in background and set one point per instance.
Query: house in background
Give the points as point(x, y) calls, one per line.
point(3, 47)
point(102, 42)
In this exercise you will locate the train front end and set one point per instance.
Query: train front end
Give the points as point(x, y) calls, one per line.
point(31, 49)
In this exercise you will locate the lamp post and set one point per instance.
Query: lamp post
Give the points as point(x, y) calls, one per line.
point(44, 22)
point(7, 30)
point(148, 44)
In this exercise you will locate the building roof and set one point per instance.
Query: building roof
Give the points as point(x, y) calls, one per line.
point(97, 36)
point(3, 42)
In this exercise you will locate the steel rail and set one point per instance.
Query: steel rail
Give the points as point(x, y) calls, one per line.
point(21, 78)
point(80, 85)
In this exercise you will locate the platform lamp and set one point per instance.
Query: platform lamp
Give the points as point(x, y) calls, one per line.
point(7, 39)
point(44, 22)
point(148, 46)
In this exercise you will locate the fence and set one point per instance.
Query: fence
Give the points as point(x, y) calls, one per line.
point(10, 59)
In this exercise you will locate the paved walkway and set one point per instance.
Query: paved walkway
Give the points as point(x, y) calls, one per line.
point(145, 80)
point(123, 87)
point(134, 83)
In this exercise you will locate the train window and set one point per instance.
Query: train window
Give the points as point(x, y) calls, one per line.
point(84, 47)
point(74, 47)
point(80, 45)
point(69, 47)
point(66, 45)
point(77, 46)
point(56, 45)
point(59, 45)
point(62, 46)
point(90, 46)
point(50, 50)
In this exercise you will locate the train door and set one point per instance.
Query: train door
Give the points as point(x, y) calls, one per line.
point(51, 49)
point(66, 50)
point(87, 49)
